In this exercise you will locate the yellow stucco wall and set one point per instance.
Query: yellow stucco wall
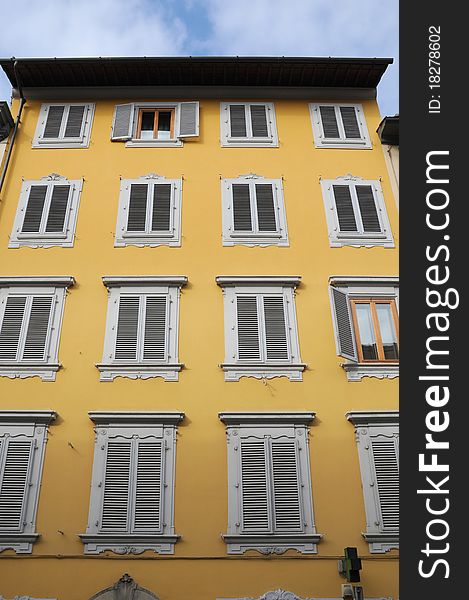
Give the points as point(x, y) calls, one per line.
point(200, 568)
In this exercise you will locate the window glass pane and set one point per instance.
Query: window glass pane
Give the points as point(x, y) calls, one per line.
point(148, 122)
point(164, 125)
point(367, 336)
point(388, 333)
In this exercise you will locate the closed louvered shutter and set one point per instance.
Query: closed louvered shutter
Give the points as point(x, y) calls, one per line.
point(286, 487)
point(188, 119)
point(275, 329)
point(136, 220)
point(387, 480)
point(34, 209)
point(350, 122)
point(127, 328)
point(147, 510)
point(248, 328)
point(242, 219)
point(344, 328)
point(117, 480)
point(238, 120)
point(255, 501)
point(74, 121)
point(14, 480)
point(53, 122)
point(154, 343)
point(11, 327)
point(329, 122)
point(122, 123)
point(344, 207)
point(368, 211)
point(161, 217)
point(259, 120)
point(265, 207)
point(58, 208)
point(38, 328)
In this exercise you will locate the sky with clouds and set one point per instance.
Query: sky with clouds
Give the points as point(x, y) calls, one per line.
point(207, 27)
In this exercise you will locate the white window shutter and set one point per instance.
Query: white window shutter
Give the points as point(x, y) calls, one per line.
point(148, 506)
point(116, 492)
point(162, 205)
point(344, 208)
point(248, 328)
point(123, 122)
point(350, 122)
point(38, 328)
point(329, 122)
point(386, 467)
point(53, 123)
point(137, 211)
point(34, 209)
point(259, 120)
point(76, 115)
point(255, 497)
point(286, 486)
point(14, 480)
point(127, 328)
point(266, 218)
point(238, 120)
point(242, 218)
point(276, 339)
point(58, 208)
point(188, 121)
point(154, 341)
point(368, 210)
point(11, 327)
point(344, 326)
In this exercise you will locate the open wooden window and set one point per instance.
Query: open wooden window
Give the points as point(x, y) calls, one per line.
point(376, 329)
point(155, 124)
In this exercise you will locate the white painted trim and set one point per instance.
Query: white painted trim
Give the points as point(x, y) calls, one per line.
point(109, 371)
point(373, 417)
point(245, 419)
point(321, 142)
point(271, 141)
point(38, 417)
point(359, 281)
point(144, 280)
point(234, 371)
point(82, 142)
point(356, 371)
point(128, 544)
point(135, 417)
point(257, 280)
point(39, 281)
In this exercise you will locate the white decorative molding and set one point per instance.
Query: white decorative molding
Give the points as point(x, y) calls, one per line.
point(234, 371)
point(379, 543)
point(373, 417)
point(356, 371)
point(144, 280)
point(284, 595)
point(38, 417)
point(236, 419)
point(47, 372)
point(361, 281)
point(21, 543)
point(272, 544)
point(135, 417)
point(54, 177)
point(168, 371)
point(125, 589)
point(128, 544)
point(39, 281)
point(258, 280)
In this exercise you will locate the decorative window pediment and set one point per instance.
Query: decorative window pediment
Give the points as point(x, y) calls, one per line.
point(125, 589)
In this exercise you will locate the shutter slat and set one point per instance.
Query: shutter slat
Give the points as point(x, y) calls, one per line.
point(329, 122)
point(343, 319)
point(275, 329)
point(265, 207)
point(58, 208)
point(34, 209)
point(248, 328)
point(38, 328)
point(350, 122)
point(74, 121)
point(13, 484)
point(189, 119)
point(116, 486)
point(154, 344)
point(368, 211)
point(286, 486)
point(238, 120)
point(255, 498)
point(127, 328)
point(161, 217)
point(259, 120)
point(11, 327)
point(387, 481)
point(122, 124)
point(344, 207)
point(148, 487)
point(53, 122)
point(242, 220)
point(137, 207)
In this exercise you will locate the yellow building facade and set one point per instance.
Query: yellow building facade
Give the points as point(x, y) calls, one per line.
point(234, 338)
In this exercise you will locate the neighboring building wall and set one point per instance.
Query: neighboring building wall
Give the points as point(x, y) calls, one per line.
point(200, 568)
point(391, 155)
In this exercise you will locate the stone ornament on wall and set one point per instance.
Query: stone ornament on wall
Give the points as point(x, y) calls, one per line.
point(125, 589)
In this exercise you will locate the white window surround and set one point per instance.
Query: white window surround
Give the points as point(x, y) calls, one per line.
point(227, 140)
point(67, 216)
point(376, 213)
point(360, 287)
point(35, 287)
point(256, 236)
point(269, 537)
point(133, 428)
point(186, 119)
point(321, 141)
point(381, 427)
point(285, 595)
point(168, 367)
point(275, 286)
point(80, 141)
point(29, 428)
point(169, 237)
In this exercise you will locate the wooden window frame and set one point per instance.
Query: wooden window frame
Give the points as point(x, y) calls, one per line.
point(156, 111)
point(372, 301)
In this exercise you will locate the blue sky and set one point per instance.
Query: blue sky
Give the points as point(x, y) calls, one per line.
point(208, 27)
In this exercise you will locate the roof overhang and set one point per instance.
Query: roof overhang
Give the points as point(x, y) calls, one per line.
point(388, 130)
point(6, 121)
